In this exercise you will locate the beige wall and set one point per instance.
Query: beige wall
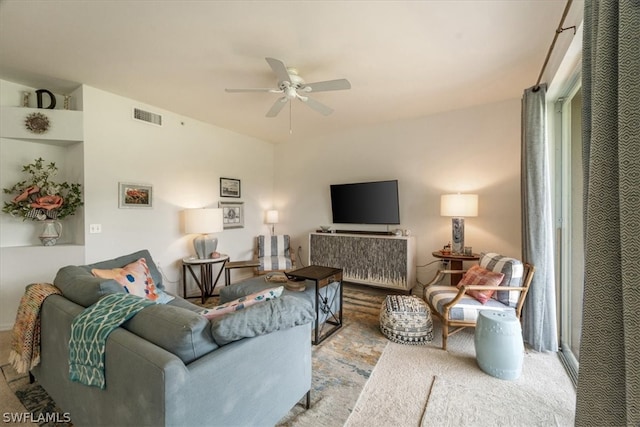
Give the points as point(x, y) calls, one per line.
point(183, 160)
point(475, 150)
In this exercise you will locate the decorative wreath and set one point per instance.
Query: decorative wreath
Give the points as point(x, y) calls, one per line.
point(37, 123)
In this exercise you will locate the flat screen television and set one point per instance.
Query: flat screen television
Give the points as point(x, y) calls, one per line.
point(365, 203)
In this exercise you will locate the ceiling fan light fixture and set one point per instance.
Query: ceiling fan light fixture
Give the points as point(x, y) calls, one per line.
point(289, 83)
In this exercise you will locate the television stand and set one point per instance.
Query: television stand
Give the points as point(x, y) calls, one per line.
point(380, 260)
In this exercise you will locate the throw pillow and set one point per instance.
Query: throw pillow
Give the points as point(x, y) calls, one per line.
point(136, 279)
point(243, 302)
point(477, 275)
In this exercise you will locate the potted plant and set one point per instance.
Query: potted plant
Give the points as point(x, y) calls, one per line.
point(39, 198)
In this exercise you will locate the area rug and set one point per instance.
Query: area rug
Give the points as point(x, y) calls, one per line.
point(447, 388)
point(41, 408)
point(341, 366)
point(343, 362)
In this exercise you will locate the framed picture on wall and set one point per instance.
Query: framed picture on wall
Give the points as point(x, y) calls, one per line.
point(232, 214)
point(135, 195)
point(229, 187)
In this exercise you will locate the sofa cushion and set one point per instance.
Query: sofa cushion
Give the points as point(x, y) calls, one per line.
point(81, 287)
point(243, 302)
point(280, 313)
point(123, 260)
point(136, 279)
point(257, 284)
point(180, 331)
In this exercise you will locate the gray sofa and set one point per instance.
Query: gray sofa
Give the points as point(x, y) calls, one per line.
point(169, 365)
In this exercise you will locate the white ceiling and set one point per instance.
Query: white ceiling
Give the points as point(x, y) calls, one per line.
point(404, 59)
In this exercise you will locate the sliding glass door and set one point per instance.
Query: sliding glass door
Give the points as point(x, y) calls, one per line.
point(569, 223)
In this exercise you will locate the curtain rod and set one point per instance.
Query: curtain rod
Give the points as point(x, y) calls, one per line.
point(553, 43)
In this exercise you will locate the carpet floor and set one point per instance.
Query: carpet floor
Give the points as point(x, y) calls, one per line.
point(426, 386)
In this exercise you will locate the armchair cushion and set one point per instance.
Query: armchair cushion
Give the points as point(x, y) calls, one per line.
point(466, 309)
point(477, 275)
point(513, 271)
point(274, 252)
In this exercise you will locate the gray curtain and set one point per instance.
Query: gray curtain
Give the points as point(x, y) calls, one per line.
point(539, 313)
point(609, 373)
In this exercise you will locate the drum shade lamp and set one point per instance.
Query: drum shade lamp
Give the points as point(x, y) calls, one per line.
point(203, 222)
point(458, 206)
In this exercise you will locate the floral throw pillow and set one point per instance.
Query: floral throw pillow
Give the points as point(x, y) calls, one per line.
point(243, 302)
point(136, 279)
point(477, 275)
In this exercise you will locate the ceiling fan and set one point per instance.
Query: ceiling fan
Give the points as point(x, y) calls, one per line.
point(292, 86)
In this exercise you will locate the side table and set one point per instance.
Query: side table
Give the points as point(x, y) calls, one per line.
point(205, 282)
point(456, 261)
point(237, 264)
point(322, 277)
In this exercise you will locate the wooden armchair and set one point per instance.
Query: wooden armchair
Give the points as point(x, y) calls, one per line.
point(457, 307)
point(274, 253)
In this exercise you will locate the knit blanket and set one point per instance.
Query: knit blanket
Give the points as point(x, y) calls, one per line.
point(89, 333)
point(25, 338)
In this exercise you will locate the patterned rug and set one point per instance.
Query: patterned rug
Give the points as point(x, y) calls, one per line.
point(343, 362)
point(341, 366)
point(43, 409)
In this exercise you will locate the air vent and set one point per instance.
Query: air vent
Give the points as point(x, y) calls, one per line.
point(148, 117)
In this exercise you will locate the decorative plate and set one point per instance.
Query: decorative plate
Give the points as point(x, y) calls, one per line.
point(37, 123)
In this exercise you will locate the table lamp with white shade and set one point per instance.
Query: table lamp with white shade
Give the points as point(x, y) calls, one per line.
point(272, 219)
point(203, 221)
point(458, 206)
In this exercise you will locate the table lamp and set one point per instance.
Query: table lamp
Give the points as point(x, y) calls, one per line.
point(203, 221)
point(458, 206)
point(272, 218)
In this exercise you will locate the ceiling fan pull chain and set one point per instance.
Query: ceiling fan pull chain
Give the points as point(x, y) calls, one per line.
point(290, 119)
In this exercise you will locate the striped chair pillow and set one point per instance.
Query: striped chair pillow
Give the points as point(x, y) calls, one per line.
point(274, 252)
point(513, 271)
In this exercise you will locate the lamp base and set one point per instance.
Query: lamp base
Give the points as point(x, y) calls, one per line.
point(205, 245)
point(457, 235)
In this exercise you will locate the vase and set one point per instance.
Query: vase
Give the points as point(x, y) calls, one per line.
point(51, 232)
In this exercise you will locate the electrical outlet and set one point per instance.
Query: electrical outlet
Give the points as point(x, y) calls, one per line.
point(95, 228)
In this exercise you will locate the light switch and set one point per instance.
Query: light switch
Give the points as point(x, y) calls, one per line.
point(95, 228)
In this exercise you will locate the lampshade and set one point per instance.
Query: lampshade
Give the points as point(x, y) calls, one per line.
point(272, 217)
point(203, 221)
point(459, 205)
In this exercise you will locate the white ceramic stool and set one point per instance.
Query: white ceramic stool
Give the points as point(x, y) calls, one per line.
point(499, 346)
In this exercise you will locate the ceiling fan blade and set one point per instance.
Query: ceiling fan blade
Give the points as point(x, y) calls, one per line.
point(277, 107)
point(278, 67)
point(319, 107)
point(254, 90)
point(340, 84)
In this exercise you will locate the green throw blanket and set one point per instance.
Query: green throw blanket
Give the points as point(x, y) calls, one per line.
point(89, 332)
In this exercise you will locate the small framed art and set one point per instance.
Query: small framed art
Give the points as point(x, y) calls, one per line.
point(232, 214)
point(135, 195)
point(229, 187)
